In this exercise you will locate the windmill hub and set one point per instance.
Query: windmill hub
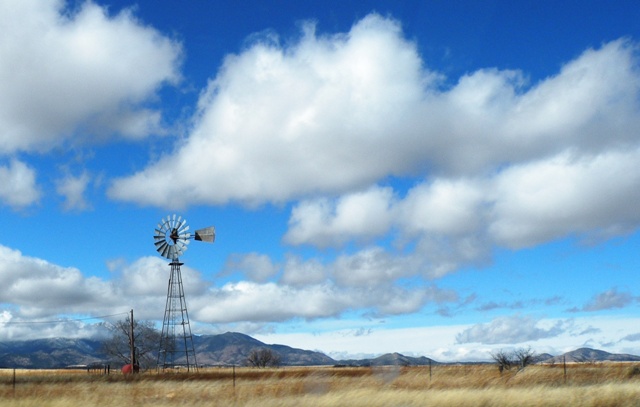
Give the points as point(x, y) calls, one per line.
point(174, 235)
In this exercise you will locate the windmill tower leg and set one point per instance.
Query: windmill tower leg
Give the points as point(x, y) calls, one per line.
point(176, 342)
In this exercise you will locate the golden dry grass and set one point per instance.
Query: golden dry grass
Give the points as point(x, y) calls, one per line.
point(470, 385)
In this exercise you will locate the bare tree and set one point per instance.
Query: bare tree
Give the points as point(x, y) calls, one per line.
point(263, 357)
point(524, 357)
point(521, 357)
point(146, 339)
point(503, 359)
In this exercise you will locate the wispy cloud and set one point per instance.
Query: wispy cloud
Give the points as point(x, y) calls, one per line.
point(73, 189)
point(610, 299)
point(18, 187)
point(510, 330)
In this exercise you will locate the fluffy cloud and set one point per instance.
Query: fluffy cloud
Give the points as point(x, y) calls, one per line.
point(445, 207)
point(567, 194)
point(345, 111)
point(67, 71)
point(298, 272)
point(360, 215)
point(457, 221)
point(42, 291)
point(257, 267)
point(143, 285)
point(39, 288)
point(324, 114)
point(327, 118)
point(371, 267)
point(271, 302)
point(18, 187)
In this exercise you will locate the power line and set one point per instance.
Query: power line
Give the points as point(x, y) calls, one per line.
point(60, 320)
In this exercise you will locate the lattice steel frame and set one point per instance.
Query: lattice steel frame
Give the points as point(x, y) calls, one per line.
point(176, 342)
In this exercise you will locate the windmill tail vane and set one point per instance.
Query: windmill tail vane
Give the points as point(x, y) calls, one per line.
point(206, 234)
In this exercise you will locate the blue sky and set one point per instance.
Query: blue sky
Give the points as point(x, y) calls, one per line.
point(432, 178)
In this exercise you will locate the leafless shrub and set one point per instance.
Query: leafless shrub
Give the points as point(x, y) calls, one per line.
point(521, 357)
point(263, 357)
point(503, 360)
point(524, 357)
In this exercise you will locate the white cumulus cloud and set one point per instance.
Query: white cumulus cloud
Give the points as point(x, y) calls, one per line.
point(66, 71)
point(324, 114)
point(324, 120)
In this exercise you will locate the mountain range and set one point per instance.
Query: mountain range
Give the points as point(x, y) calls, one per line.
point(231, 348)
point(588, 355)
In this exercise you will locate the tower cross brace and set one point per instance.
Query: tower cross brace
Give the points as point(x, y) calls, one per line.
point(176, 342)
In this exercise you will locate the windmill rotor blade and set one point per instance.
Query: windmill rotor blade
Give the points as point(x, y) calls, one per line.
point(206, 234)
point(165, 250)
point(172, 237)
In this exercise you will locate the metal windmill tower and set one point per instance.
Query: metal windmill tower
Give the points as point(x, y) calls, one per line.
point(176, 343)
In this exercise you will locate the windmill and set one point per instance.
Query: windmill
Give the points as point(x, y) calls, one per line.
point(171, 239)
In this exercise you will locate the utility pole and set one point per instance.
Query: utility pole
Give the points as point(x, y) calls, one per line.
point(132, 344)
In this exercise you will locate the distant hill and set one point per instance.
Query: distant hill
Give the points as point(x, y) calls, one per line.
point(232, 348)
point(50, 353)
point(541, 358)
point(588, 355)
point(225, 349)
point(389, 359)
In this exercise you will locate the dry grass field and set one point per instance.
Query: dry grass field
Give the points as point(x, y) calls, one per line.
point(606, 384)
